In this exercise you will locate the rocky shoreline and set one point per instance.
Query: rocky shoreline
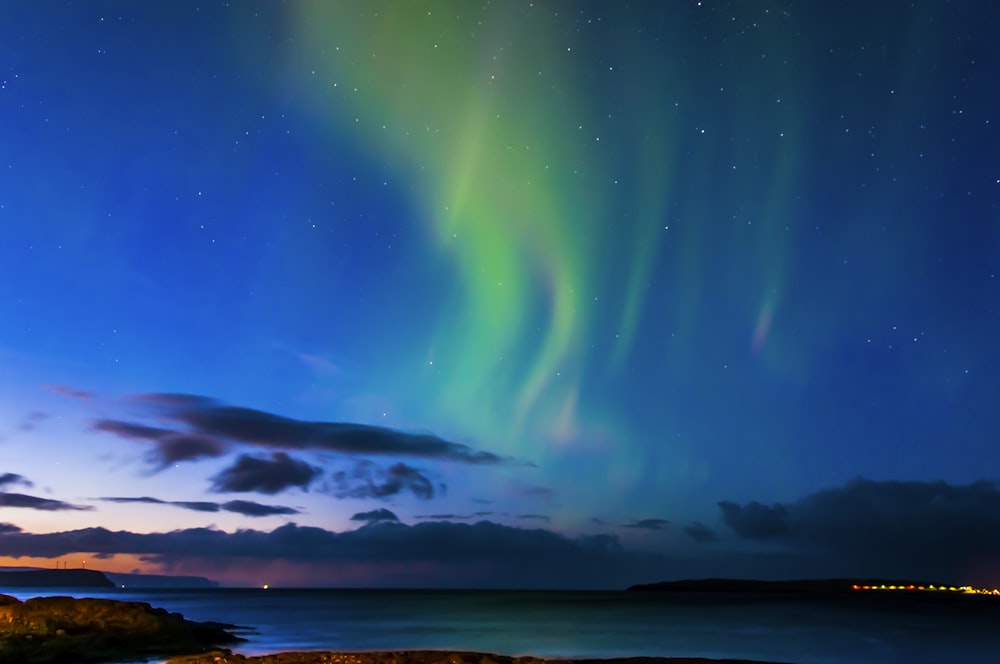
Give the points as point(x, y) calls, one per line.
point(64, 630)
point(426, 657)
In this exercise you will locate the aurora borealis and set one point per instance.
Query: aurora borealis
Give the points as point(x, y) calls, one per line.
point(672, 287)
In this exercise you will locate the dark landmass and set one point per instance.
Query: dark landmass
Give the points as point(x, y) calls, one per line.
point(89, 578)
point(63, 630)
point(55, 578)
point(818, 586)
point(896, 596)
point(427, 657)
point(160, 581)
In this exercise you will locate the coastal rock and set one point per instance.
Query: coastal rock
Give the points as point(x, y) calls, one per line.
point(58, 630)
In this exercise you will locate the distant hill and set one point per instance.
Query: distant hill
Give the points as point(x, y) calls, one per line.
point(160, 581)
point(33, 577)
point(55, 578)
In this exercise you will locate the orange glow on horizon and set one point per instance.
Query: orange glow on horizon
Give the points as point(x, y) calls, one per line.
point(119, 563)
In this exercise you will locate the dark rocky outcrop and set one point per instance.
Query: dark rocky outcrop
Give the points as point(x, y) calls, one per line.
point(63, 630)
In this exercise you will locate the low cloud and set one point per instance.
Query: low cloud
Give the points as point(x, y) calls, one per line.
point(6, 528)
point(36, 503)
point(368, 480)
point(534, 517)
point(699, 532)
point(372, 516)
point(271, 475)
point(244, 507)
point(483, 554)
point(647, 524)
point(924, 530)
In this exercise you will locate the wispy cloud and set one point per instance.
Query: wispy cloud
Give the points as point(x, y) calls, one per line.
point(368, 480)
point(36, 503)
point(647, 524)
point(699, 532)
point(533, 517)
point(244, 507)
point(9, 499)
point(373, 516)
point(71, 392)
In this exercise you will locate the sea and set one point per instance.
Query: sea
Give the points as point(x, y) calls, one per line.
point(594, 624)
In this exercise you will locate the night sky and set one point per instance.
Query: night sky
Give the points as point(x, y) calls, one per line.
point(574, 294)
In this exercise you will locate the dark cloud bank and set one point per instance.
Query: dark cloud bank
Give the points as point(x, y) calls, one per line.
point(921, 530)
point(440, 554)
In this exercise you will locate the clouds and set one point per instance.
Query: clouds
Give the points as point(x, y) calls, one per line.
point(270, 476)
point(483, 553)
point(36, 503)
point(244, 507)
point(170, 446)
point(254, 509)
point(754, 520)
point(193, 428)
point(13, 479)
point(367, 480)
point(205, 416)
point(71, 392)
point(9, 499)
point(372, 516)
point(648, 524)
point(920, 529)
point(699, 532)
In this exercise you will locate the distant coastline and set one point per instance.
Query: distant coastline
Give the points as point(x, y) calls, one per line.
point(786, 586)
point(883, 592)
point(89, 578)
point(55, 578)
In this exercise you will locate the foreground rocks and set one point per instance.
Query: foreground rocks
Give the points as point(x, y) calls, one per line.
point(63, 630)
point(425, 657)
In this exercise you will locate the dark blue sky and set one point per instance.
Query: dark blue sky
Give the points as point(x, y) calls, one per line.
point(382, 293)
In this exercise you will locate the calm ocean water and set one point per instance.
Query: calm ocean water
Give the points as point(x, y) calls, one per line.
point(592, 624)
